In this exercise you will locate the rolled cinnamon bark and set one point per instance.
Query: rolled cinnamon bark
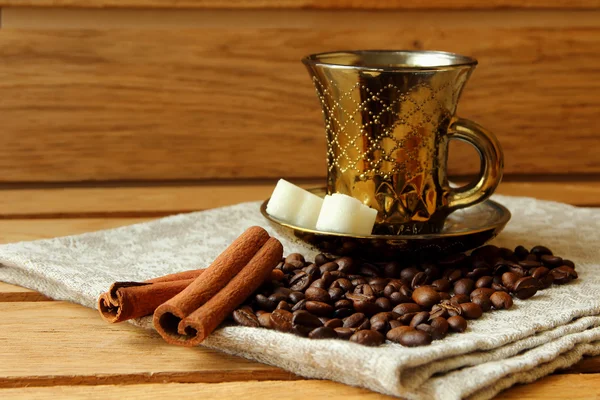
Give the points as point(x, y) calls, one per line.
point(198, 325)
point(128, 300)
point(227, 265)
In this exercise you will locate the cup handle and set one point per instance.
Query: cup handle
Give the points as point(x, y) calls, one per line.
point(492, 163)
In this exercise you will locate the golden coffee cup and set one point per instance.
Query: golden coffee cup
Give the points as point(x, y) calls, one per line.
point(389, 117)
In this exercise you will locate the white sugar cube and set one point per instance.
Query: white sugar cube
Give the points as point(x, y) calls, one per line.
point(309, 210)
point(345, 214)
point(285, 201)
point(365, 221)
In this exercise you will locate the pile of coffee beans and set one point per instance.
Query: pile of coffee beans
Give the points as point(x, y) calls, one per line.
point(413, 305)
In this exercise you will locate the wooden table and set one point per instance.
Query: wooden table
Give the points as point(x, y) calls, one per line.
point(51, 349)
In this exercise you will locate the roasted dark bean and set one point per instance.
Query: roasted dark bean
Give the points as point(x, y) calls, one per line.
point(343, 303)
point(354, 320)
point(441, 285)
point(419, 318)
point(264, 320)
point(290, 267)
point(345, 284)
point(454, 275)
point(334, 323)
point(320, 284)
point(317, 294)
point(482, 301)
point(445, 295)
point(301, 330)
point(246, 317)
point(471, 310)
point(407, 274)
point(283, 290)
point(295, 297)
point(321, 259)
point(328, 267)
point(499, 287)
point(407, 308)
point(426, 296)
point(521, 252)
point(319, 308)
point(323, 332)
point(526, 287)
point(397, 298)
point(344, 333)
point(295, 257)
point(569, 263)
point(336, 294)
point(460, 298)
point(277, 297)
point(300, 282)
point(487, 292)
point(484, 282)
point(264, 302)
point(563, 274)
point(346, 265)
point(302, 317)
point(395, 333)
point(501, 300)
point(283, 305)
point(509, 279)
point(541, 251)
point(413, 338)
point(313, 271)
point(368, 270)
point(392, 269)
point(281, 320)
point(419, 279)
point(342, 312)
point(301, 305)
point(383, 303)
point(457, 323)
point(367, 338)
point(530, 264)
point(438, 311)
point(464, 286)
point(357, 281)
point(439, 327)
point(366, 307)
point(394, 324)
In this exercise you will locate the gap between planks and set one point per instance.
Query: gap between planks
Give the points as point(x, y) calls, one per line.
point(154, 201)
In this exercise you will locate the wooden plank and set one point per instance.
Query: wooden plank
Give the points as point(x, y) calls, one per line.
point(553, 387)
point(14, 293)
point(302, 4)
point(235, 102)
point(169, 199)
point(86, 350)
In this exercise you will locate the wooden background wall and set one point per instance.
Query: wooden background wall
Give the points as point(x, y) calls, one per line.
point(162, 93)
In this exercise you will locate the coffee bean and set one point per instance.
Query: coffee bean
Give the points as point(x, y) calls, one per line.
point(300, 282)
point(302, 317)
point(343, 312)
point(344, 333)
point(357, 281)
point(460, 298)
point(337, 275)
point(290, 267)
point(346, 265)
point(526, 287)
point(530, 264)
point(368, 338)
point(246, 317)
point(265, 303)
point(479, 272)
point(413, 338)
point(330, 266)
point(482, 301)
point(320, 284)
point(321, 259)
point(392, 269)
point(301, 330)
point(295, 257)
point(499, 288)
point(419, 279)
point(324, 320)
point(301, 305)
point(457, 323)
point(426, 296)
point(312, 271)
point(295, 297)
point(484, 282)
point(345, 284)
point(335, 294)
point(439, 328)
point(317, 294)
point(425, 328)
point(471, 310)
point(517, 269)
point(334, 323)
point(438, 311)
point(397, 298)
point(531, 257)
point(509, 279)
point(366, 307)
point(407, 308)
point(364, 289)
point(368, 270)
point(394, 334)
point(539, 272)
point(407, 274)
point(319, 308)
point(541, 250)
point(323, 332)
point(383, 303)
point(354, 320)
point(464, 286)
point(452, 307)
point(569, 263)
point(563, 274)
point(501, 300)
point(394, 324)
point(343, 303)
point(419, 318)
point(441, 285)
point(264, 320)
point(454, 275)
point(283, 290)
point(521, 252)
point(380, 326)
point(281, 320)
point(283, 305)
point(487, 292)
point(359, 297)
point(444, 295)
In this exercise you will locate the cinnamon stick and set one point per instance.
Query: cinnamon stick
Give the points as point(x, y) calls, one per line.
point(198, 325)
point(128, 300)
point(227, 265)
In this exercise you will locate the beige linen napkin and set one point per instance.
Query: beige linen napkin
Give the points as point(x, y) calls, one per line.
point(552, 330)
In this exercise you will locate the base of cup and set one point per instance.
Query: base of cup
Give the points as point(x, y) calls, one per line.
point(410, 228)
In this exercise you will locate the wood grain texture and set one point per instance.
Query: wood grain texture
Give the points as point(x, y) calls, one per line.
point(556, 387)
point(112, 104)
point(86, 350)
point(169, 199)
point(302, 4)
point(12, 293)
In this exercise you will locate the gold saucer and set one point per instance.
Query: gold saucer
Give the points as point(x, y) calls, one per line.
point(463, 230)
